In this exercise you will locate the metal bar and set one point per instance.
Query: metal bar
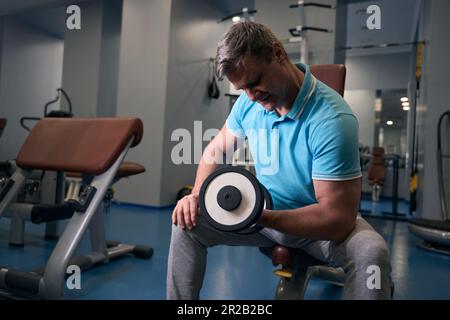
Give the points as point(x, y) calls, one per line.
point(317, 29)
point(395, 188)
point(311, 4)
point(119, 250)
point(97, 232)
point(240, 13)
point(52, 228)
point(20, 212)
point(55, 270)
point(18, 177)
point(380, 45)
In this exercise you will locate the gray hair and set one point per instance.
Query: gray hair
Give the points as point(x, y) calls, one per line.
point(244, 38)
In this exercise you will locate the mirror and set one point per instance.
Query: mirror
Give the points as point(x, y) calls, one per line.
point(391, 114)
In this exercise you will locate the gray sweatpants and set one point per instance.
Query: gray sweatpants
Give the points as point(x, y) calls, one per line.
point(363, 249)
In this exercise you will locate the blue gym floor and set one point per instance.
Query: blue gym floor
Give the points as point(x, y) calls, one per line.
point(232, 272)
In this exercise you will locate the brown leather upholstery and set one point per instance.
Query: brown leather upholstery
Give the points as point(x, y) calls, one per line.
point(2, 123)
point(292, 258)
point(281, 255)
point(376, 171)
point(333, 75)
point(126, 169)
point(89, 145)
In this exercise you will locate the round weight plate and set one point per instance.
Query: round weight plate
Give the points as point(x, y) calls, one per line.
point(249, 208)
point(268, 204)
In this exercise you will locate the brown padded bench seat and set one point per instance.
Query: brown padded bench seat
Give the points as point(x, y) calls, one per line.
point(126, 169)
point(84, 145)
point(290, 257)
point(333, 75)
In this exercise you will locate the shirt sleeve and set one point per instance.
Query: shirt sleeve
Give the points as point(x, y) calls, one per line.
point(335, 149)
point(234, 120)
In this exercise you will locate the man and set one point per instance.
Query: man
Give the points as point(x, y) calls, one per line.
point(316, 185)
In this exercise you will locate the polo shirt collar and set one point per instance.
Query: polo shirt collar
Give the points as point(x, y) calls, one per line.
point(304, 94)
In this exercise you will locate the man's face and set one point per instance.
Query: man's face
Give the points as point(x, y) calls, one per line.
point(265, 83)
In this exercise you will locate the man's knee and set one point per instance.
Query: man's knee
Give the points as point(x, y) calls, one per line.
point(375, 251)
point(199, 233)
point(368, 248)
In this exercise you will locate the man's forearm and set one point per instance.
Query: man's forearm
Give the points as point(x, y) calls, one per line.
point(203, 171)
point(310, 222)
point(207, 165)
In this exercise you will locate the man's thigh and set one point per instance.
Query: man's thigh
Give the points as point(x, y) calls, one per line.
point(361, 239)
point(329, 251)
point(208, 236)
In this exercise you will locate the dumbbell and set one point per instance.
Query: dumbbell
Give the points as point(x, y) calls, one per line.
point(232, 200)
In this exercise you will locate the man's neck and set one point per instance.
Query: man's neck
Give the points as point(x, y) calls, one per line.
point(297, 77)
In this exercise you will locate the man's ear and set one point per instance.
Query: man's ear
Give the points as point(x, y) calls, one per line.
point(279, 53)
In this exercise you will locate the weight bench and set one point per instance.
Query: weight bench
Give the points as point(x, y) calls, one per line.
point(297, 269)
point(45, 213)
point(94, 148)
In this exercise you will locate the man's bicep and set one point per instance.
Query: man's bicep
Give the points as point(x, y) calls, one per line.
point(228, 140)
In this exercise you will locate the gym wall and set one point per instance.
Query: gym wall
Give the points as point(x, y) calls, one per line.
point(144, 55)
point(91, 59)
point(194, 34)
point(31, 66)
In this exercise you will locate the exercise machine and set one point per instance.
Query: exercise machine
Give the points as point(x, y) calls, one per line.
point(94, 148)
point(20, 213)
point(46, 186)
point(52, 113)
point(435, 234)
point(299, 33)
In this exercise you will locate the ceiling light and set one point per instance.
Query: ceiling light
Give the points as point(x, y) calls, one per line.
point(236, 19)
point(389, 122)
point(405, 104)
point(404, 99)
point(406, 108)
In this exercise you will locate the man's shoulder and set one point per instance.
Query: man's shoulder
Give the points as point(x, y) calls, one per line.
point(244, 106)
point(243, 100)
point(328, 105)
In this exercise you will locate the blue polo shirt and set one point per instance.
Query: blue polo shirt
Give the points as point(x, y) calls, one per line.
point(316, 140)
